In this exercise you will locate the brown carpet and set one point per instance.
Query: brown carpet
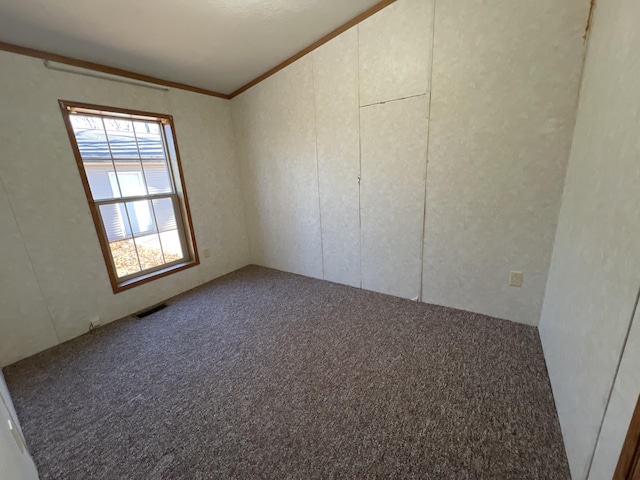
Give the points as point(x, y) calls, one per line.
point(264, 374)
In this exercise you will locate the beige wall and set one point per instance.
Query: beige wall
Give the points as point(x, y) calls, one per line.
point(505, 90)
point(335, 80)
point(276, 141)
point(53, 277)
point(505, 86)
point(620, 409)
point(595, 270)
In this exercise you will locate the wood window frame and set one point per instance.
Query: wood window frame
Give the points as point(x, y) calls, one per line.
point(629, 463)
point(192, 258)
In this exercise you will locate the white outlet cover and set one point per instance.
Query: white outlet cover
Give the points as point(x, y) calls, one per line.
point(16, 436)
point(515, 279)
point(95, 322)
point(206, 253)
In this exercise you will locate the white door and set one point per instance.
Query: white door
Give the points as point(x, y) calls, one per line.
point(394, 164)
point(15, 461)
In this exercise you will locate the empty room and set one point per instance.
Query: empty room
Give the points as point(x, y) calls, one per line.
point(322, 239)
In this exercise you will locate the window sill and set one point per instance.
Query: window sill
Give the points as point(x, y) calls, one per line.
point(142, 279)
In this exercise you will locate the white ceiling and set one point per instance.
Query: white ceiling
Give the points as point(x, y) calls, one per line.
point(219, 45)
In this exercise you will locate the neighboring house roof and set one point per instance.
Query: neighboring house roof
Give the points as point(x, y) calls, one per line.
point(93, 145)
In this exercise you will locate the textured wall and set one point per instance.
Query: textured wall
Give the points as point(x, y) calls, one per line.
point(305, 137)
point(56, 277)
point(395, 52)
point(335, 78)
point(395, 71)
point(394, 153)
point(504, 96)
point(595, 270)
point(505, 88)
point(276, 145)
point(620, 409)
point(25, 324)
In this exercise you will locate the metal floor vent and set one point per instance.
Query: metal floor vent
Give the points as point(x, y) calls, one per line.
point(150, 311)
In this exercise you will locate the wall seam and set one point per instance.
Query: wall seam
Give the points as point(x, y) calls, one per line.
point(238, 163)
point(393, 99)
point(359, 159)
point(315, 131)
point(552, 255)
point(26, 249)
point(566, 170)
point(613, 383)
point(424, 204)
point(591, 22)
point(168, 101)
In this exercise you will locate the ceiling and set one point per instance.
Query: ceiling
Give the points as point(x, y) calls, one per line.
point(218, 45)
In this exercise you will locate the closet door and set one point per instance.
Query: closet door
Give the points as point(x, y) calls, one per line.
point(335, 80)
point(394, 160)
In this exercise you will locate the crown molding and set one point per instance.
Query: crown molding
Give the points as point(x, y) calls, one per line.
point(30, 52)
point(53, 57)
point(351, 23)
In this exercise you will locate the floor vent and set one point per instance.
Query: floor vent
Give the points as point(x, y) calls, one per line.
point(150, 311)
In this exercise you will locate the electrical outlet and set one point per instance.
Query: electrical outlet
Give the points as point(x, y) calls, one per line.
point(515, 279)
point(206, 253)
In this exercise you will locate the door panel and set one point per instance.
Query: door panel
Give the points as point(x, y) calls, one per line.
point(394, 153)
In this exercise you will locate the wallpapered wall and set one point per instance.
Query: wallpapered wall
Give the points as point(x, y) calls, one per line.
point(53, 278)
point(595, 271)
point(333, 152)
point(422, 154)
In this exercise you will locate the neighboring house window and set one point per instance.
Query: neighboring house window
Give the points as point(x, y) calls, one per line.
point(130, 167)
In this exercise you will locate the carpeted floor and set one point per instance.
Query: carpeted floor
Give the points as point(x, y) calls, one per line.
point(264, 374)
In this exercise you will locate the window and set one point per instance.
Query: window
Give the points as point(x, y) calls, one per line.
point(130, 168)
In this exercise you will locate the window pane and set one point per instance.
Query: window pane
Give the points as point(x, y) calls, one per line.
point(128, 161)
point(98, 174)
point(171, 245)
point(149, 140)
point(125, 257)
point(124, 149)
point(149, 251)
point(129, 179)
point(94, 150)
point(91, 137)
point(157, 175)
point(165, 216)
point(141, 218)
point(122, 140)
point(114, 221)
point(151, 148)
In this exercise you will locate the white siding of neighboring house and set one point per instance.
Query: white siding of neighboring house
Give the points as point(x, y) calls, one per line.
point(155, 174)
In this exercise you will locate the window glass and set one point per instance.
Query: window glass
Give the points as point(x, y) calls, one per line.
point(126, 164)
